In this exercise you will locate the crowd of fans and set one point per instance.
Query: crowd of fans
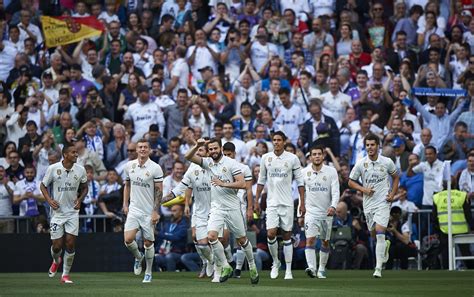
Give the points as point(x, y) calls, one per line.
point(323, 72)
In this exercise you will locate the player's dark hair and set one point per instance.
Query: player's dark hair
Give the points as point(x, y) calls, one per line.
point(88, 167)
point(66, 148)
point(215, 140)
point(284, 91)
point(154, 128)
point(372, 136)
point(228, 146)
point(280, 133)
point(30, 166)
point(317, 147)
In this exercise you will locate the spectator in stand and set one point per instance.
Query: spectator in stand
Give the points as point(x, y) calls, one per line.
point(399, 234)
point(7, 188)
point(171, 240)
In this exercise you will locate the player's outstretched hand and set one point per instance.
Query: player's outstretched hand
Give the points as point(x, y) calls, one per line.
point(54, 204)
point(201, 142)
point(125, 209)
point(77, 204)
point(155, 217)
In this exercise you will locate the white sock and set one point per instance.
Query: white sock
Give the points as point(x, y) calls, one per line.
point(323, 258)
point(288, 252)
point(133, 248)
point(380, 250)
point(149, 257)
point(248, 250)
point(217, 271)
point(56, 255)
point(310, 254)
point(273, 248)
point(240, 258)
point(228, 253)
point(198, 250)
point(68, 260)
point(204, 252)
point(219, 256)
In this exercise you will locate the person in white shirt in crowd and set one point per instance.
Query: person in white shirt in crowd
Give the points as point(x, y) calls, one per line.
point(7, 189)
point(200, 116)
point(262, 51)
point(27, 29)
point(466, 179)
point(334, 102)
point(7, 58)
point(401, 201)
point(156, 96)
point(260, 136)
point(316, 40)
point(228, 135)
point(14, 39)
point(94, 141)
point(289, 117)
point(244, 88)
point(459, 63)
point(142, 57)
point(201, 55)
point(425, 137)
point(273, 95)
point(432, 170)
point(16, 124)
point(51, 94)
point(27, 193)
point(108, 15)
point(170, 182)
point(143, 113)
point(80, 10)
point(179, 73)
point(303, 91)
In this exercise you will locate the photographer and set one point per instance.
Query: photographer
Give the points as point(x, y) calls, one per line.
point(398, 232)
point(93, 107)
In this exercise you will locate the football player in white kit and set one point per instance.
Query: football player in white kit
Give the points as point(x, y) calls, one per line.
point(68, 181)
point(226, 180)
point(321, 197)
point(142, 196)
point(245, 195)
point(374, 170)
point(277, 171)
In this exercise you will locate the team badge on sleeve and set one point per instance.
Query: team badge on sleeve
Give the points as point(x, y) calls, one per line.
point(58, 171)
point(366, 165)
point(309, 174)
point(224, 169)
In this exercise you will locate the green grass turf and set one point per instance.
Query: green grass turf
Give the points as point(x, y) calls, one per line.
point(338, 283)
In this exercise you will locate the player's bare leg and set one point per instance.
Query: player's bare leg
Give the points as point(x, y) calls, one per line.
point(70, 242)
point(132, 246)
point(149, 257)
point(246, 246)
point(273, 248)
point(56, 251)
point(381, 249)
point(310, 254)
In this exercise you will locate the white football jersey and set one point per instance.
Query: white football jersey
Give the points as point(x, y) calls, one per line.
point(376, 175)
point(142, 185)
point(197, 179)
point(65, 186)
point(247, 177)
point(226, 170)
point(278, 172)
point(321, 190)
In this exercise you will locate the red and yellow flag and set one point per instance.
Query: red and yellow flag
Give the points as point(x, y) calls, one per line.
point(65, 30)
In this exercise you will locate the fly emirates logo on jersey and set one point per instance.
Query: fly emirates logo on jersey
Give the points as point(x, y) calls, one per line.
point(318, 188)
point(278, 172)
point(68, 187)
point(140, 183)
point(204, 187)
point(374, 179)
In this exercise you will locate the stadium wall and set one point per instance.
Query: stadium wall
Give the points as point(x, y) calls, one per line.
point(95, 252)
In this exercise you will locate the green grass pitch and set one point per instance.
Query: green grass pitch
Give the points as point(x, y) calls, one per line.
point(338, 283)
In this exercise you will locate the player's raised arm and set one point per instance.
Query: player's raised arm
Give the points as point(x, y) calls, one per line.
point(191, 153)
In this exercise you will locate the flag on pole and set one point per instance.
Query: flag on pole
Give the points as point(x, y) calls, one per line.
point(66, 30)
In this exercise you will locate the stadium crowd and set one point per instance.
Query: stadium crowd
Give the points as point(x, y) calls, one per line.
point(173, 71)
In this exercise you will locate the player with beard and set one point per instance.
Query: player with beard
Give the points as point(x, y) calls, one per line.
point(321, 197)
point(226, 179)
point(375, 171)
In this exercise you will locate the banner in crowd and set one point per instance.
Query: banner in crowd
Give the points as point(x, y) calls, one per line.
point(438, 92)
point(65, 30)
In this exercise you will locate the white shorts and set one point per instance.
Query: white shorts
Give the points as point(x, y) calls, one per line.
point(379, 216)
point(143, 222)
point(280, 217)
point(200, 226)
point(61, 225)
point(317, 226)
point(230, 219)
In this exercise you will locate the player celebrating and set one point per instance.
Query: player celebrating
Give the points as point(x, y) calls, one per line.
point(144, 191)
point(67, 180)
point(246, 199)
point(226, 180)
point(278, 168)
point(374, 171)
point(322, 195)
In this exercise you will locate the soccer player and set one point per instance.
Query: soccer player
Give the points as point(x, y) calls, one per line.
point(321, 197)
point(226, 180)
point(277, 171)
point(374, 170)
point(142, 196)
point(68, 181)
point(246, 199)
